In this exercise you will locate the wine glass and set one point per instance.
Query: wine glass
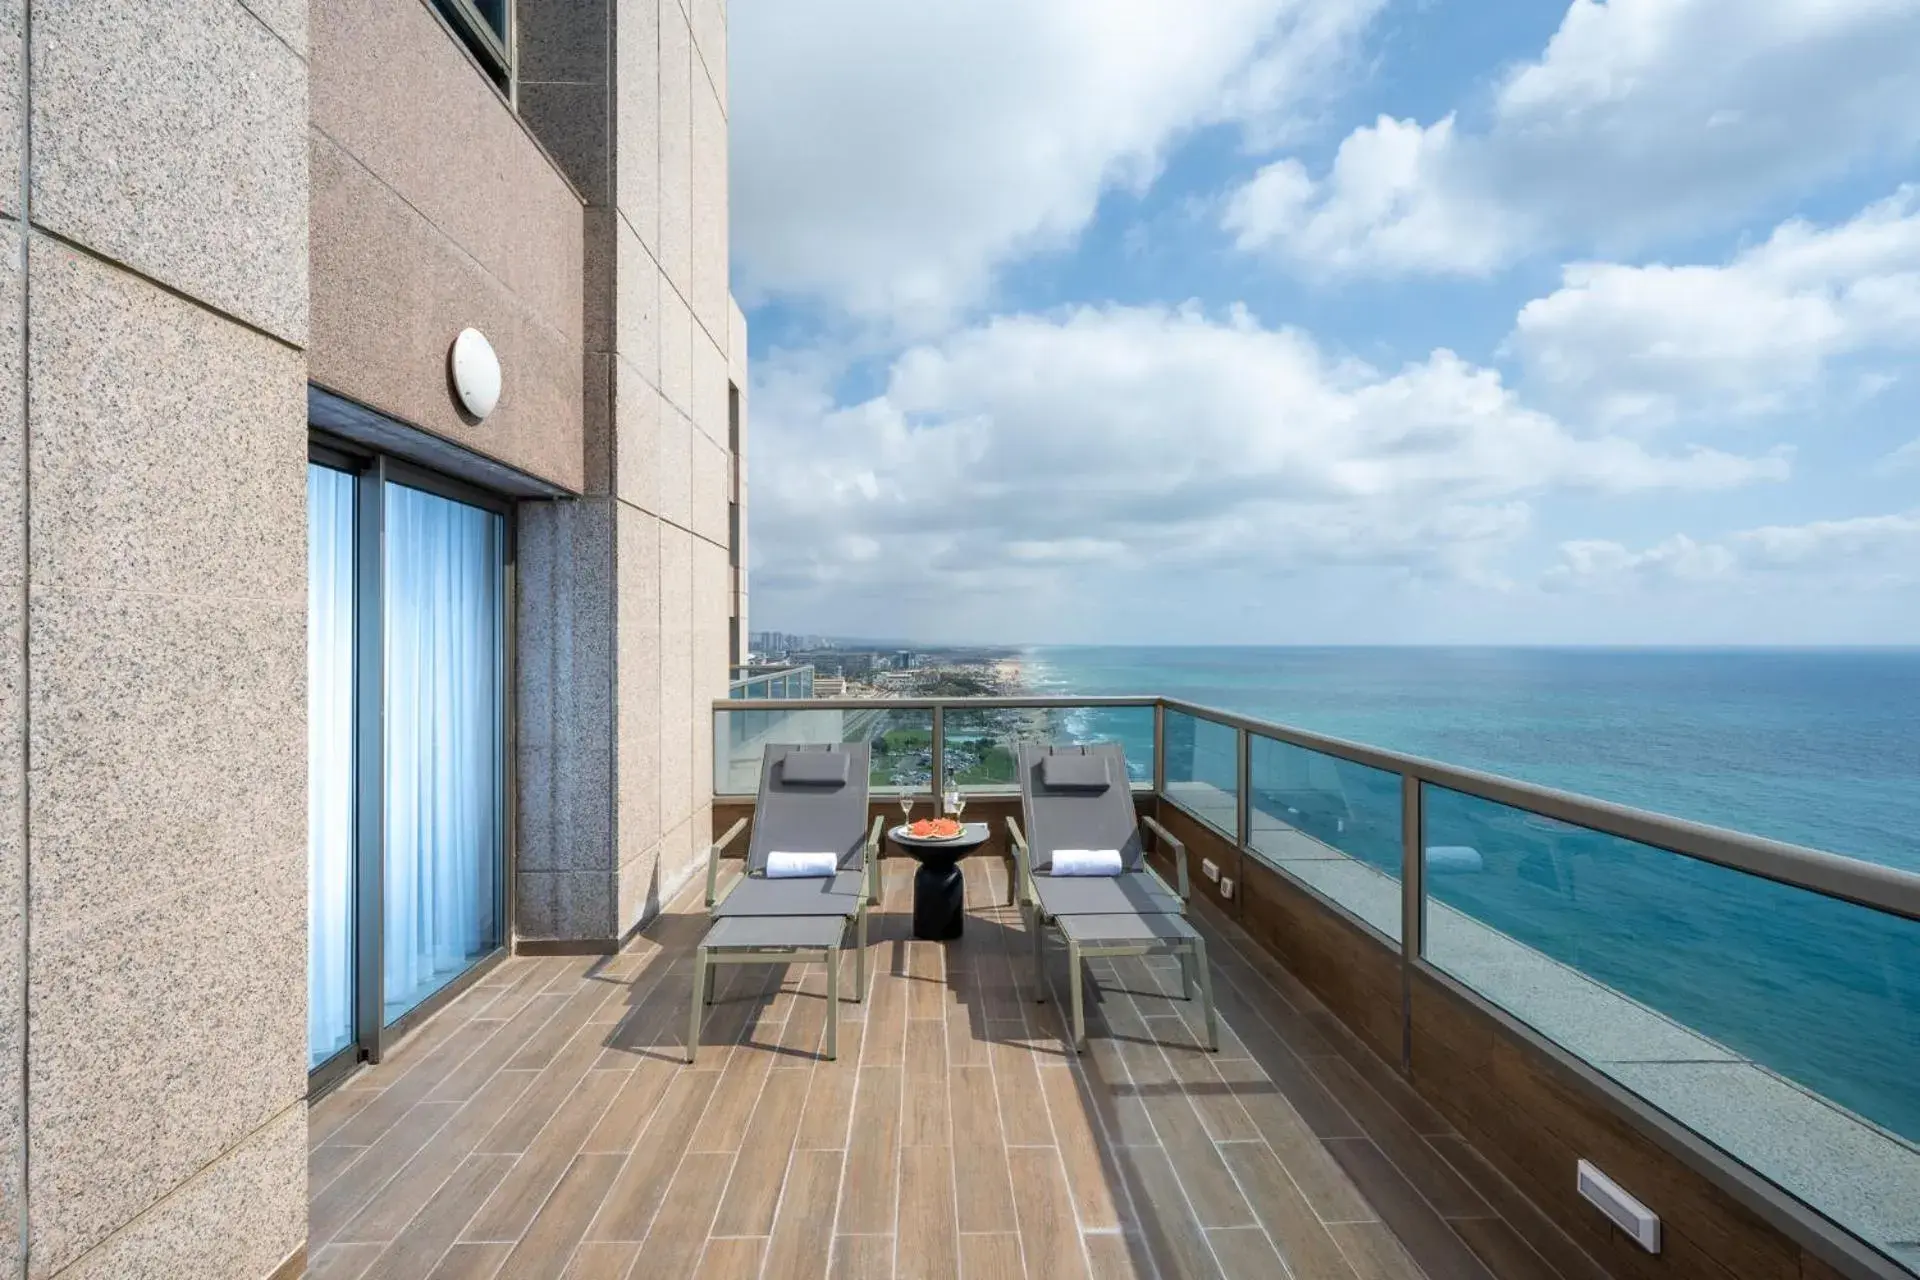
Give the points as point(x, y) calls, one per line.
point(957, 801)
point(906, 809)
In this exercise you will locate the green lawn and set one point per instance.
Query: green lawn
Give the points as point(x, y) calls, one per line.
point(996, 766)
point(896, 742)
point(898, 747)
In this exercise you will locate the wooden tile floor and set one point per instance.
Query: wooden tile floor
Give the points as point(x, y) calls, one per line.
point(544, 1125)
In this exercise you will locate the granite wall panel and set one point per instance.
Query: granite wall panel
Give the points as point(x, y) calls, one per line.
point(565, 689)
point(392, 291)
point(12, 13)
point(469, 166)
point(12, 782)
point(710, 42)
point(639, 415)
point(160, 129)
point(255, 1233)
point(636, 120)
point(638, 684)
point(708, 194)
point(676, 147)
point(676, 676)
point(164, 448)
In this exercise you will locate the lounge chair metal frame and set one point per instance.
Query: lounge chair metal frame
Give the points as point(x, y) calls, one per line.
point(1170, 935)
point(1178, 938)
point(717, 950)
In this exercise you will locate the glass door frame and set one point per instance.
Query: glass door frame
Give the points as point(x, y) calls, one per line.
point(373, 1036)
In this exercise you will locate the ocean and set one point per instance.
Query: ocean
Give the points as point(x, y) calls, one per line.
point(1817, 747)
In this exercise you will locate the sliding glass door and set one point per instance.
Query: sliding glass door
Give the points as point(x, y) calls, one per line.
point(330, 619)
point(443, 748)
point(406, 678)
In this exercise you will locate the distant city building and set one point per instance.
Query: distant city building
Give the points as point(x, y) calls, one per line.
point(829, 687)
point(785, 642)
point(854, 665)
point(903, 660)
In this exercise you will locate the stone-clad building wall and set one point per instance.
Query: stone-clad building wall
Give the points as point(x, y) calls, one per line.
point(630, 96)
point(207, 206)
point(153, 377)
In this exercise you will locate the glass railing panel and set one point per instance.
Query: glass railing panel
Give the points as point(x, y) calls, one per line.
point(901, 742)
point(982, 746)
point(1203, 770)
point(1781, 1024)
point(1331, 823)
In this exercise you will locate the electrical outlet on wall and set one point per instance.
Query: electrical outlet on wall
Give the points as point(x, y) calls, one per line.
point(1226, 886)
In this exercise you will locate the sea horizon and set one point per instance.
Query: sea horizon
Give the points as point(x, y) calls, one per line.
point(1021, 646)
point(1810, 745)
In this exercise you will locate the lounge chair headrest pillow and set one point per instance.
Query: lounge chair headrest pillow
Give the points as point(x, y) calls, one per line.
point(1074, 772)
point(815, 768)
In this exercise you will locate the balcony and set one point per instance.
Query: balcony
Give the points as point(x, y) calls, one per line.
point(1439, 991)
point(761, 682)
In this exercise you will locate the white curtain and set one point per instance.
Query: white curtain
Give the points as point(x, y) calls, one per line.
point(443, 587)
point(329, 762)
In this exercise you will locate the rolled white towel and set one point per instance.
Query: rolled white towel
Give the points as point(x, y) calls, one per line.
point(1453, 857)
point(1086, 862)
point(782, 865)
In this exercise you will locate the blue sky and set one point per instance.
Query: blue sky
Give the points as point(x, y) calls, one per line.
point(1332, 321)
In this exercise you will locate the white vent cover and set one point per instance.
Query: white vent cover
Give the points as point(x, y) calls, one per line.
point(1626, 1213)
point(476, 372)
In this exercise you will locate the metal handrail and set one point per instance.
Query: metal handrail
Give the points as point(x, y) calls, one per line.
point(1866, 884)
point(925, 704)
point(758, 675)
point(1832, 875)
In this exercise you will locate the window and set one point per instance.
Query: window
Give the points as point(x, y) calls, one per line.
point(407, 766)
point(330, 630)
point(442, 780)
point(486, 28)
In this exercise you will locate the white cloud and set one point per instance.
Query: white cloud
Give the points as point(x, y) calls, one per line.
point(1013, 460)
point(1825, 543)
point(1642, 118)
point(1865, 551)
point(1905, 458)
point(1649, 343)
point(1392, 203)
point(1678, 559)
point(890, 157)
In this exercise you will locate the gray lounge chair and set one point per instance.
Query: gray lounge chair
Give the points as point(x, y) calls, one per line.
point(1079, 798)
point(812, 799)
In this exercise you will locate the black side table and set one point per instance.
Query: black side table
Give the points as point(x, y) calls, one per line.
point(939, 890)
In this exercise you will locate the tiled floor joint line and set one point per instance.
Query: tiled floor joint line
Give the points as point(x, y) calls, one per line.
point(1150, 1219)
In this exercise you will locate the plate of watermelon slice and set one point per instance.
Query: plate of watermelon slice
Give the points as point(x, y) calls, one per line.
point(931, 829)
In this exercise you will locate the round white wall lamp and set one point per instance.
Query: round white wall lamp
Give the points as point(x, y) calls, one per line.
point(476, 373)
